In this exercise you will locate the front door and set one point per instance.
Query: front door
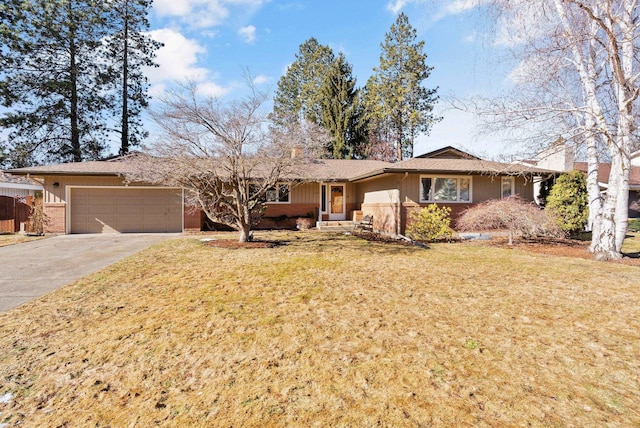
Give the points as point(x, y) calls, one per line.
point(337, 208)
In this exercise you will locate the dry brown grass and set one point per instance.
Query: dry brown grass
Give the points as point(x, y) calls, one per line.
point(329, 330)
point(10, 239)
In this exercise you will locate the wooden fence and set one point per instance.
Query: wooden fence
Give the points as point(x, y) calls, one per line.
point(14, 211)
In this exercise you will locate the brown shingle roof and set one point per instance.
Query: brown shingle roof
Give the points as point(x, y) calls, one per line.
point(341, 169)
point(464, 166)
point(8, 178)
point(76, 168)
point(605, 168)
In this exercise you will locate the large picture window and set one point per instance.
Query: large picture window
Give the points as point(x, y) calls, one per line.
point(445, 189)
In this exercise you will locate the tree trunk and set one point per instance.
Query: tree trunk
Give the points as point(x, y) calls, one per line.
point(603, 242)
point(73, 79)
point(245, 233)
point(124, 137)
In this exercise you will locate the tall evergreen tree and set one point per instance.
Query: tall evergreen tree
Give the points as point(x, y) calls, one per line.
point(298, 92)
point(53, 85)
point(397, 100)
point(340, 113)
point(129, 49)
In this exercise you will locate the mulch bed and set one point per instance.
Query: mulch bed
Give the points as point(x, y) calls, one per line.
point(555, 247)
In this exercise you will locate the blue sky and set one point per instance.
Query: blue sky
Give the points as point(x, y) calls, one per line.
point(213, 41)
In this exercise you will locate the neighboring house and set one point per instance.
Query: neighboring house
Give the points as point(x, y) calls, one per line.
point(17, 186)
point(16, 197)
point(91, 197)
point(561, 158)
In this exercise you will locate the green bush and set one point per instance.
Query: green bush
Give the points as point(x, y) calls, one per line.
point(430, 224)
point(634, 225)
point(569, 202)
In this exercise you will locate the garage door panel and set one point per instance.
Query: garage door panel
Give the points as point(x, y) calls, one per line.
point(125, 210)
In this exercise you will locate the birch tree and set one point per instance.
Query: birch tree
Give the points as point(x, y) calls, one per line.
point(578, 78)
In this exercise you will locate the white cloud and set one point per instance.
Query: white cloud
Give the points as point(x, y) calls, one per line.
point(470, 38)
point(260, 79)
point(396, 5)
point(178, 63)
point(457, 7)
point(204, 13)
point(177, 59)
point(248, 33)
point(211, 89)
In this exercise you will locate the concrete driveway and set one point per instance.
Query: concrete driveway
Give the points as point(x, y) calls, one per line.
point(35, 268)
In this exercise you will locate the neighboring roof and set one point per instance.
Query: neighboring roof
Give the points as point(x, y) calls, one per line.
point(448, 152)
point(604, 169)
point(17, 182)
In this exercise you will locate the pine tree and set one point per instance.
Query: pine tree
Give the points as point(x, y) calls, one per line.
point(128, 49)
point(340, 112)
point(53, 85)
point(298, 92)
point(397, 101)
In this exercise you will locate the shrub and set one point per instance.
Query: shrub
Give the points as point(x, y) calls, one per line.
point(430, 224)
point(569, 201)
point(517, 216)
point(37, 218)
point(634, 225)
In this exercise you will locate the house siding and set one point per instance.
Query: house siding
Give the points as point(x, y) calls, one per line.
point(483, 188)
point(55, 199)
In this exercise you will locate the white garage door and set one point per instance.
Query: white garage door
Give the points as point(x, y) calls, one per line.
point(105, 210)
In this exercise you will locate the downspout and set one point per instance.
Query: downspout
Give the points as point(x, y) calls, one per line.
point(399, 222)
point(319, 220)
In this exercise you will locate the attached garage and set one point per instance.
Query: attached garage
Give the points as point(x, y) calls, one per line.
point(124, 210)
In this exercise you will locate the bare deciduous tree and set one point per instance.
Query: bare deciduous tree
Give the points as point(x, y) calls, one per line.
point(227, 156)
point(577, 78)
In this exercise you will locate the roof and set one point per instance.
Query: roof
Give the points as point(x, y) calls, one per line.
point(322, 169)
point(8, 180)
point(448, 152)
point(341, 169)
point(459, 166)
point(110, 167)
point(604, 169)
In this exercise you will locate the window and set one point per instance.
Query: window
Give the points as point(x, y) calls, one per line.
point(445, 189)
point(278, 194)
point(508, 187)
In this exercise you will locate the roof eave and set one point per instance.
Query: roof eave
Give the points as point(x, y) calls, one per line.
point(51, 173)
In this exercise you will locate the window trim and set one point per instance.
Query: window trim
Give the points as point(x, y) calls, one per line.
point(513, 186)
point(457, 177)
point(277, 190)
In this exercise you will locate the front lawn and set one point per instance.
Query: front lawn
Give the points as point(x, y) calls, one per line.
point(329, 330)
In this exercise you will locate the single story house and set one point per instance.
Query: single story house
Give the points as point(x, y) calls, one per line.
point(92, 197)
